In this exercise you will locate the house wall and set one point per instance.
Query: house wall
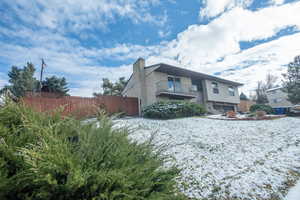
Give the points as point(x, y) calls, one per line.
point(132, 89)
point(199, 99)
point(151, 79)
point(186, 82)
point(278, 99)
point(142, 84)
point(223, 95)
point(136, 86)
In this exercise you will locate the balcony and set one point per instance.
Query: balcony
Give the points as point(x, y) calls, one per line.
point(164, 88)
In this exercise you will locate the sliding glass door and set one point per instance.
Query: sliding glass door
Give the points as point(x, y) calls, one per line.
point(174, 84)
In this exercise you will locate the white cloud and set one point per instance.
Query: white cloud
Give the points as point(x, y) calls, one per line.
point(78, 65)
point(3, 80)
point(277, 2)
point(271, 57)
point(163, 33)
point(76, 15)
point(92, 81)
point(213, 8)
point(202, 45)
point(84, 79)
point(124, 51)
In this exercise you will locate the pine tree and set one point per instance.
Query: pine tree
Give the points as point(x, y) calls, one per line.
point(55, 85)
point(292, 81)
point(243, 97)
point(119, 86)
point(21, 80)
point(110, 88)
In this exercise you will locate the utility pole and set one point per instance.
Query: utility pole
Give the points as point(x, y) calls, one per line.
point(42, 71)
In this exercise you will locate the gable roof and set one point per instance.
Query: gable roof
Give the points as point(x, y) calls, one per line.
point(177, 71)
point(275, 88)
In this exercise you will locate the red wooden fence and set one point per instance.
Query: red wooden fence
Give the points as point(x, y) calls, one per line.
point(82, 106)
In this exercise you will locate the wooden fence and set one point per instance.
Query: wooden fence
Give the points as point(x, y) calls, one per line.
point(82, 106)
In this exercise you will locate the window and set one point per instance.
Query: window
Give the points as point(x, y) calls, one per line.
point(196, 85)
point(177, 85)
point(174, 84)
point(231, 91)
point(215, 88)
point(194, 88)
point(171, 84)
point(223, 108)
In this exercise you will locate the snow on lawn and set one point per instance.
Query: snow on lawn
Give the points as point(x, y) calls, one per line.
point(228, 159)
point(294, 193)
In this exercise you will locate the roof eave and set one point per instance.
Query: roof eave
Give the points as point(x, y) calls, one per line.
point(202, 75)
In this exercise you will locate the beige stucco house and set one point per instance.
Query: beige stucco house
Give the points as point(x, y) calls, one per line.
point(161, 82)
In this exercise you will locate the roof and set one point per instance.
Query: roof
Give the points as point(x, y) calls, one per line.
point(177, 71)
point(272, 89)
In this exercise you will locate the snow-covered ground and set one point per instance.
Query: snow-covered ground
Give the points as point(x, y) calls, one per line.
point(248, 160)
point(294, 193)
point(238, 117)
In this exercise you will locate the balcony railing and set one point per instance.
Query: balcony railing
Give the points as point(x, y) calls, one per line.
point(177, 89)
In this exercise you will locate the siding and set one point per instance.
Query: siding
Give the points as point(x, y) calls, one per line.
point(278, 95)
point(132, 88)
point(152, 77)
point(223, 95)
point(186, 82)
point(151, 80)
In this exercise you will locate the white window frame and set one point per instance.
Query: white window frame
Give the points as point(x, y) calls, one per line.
point(175, 89)
point(215, 87)
point(231, 91)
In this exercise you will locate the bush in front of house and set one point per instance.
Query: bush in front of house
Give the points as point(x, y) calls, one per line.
point(261, 107)
point(260, 113)
point(173, 109)
point(47, 157)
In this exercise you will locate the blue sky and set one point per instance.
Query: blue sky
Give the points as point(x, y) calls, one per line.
point(86, 41)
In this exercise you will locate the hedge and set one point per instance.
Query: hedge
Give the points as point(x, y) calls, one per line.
point(45, 158)
point(173, 109)
point(261, 107)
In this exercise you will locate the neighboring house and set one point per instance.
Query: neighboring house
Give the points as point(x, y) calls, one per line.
point(278, 100)
point(244, 105)
point(161, 81)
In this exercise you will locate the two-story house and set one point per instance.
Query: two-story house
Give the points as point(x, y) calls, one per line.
point(161, 82)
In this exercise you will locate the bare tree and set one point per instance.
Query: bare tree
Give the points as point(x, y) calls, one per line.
point(262, 87)
point(270, 81)
point(261, 97)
